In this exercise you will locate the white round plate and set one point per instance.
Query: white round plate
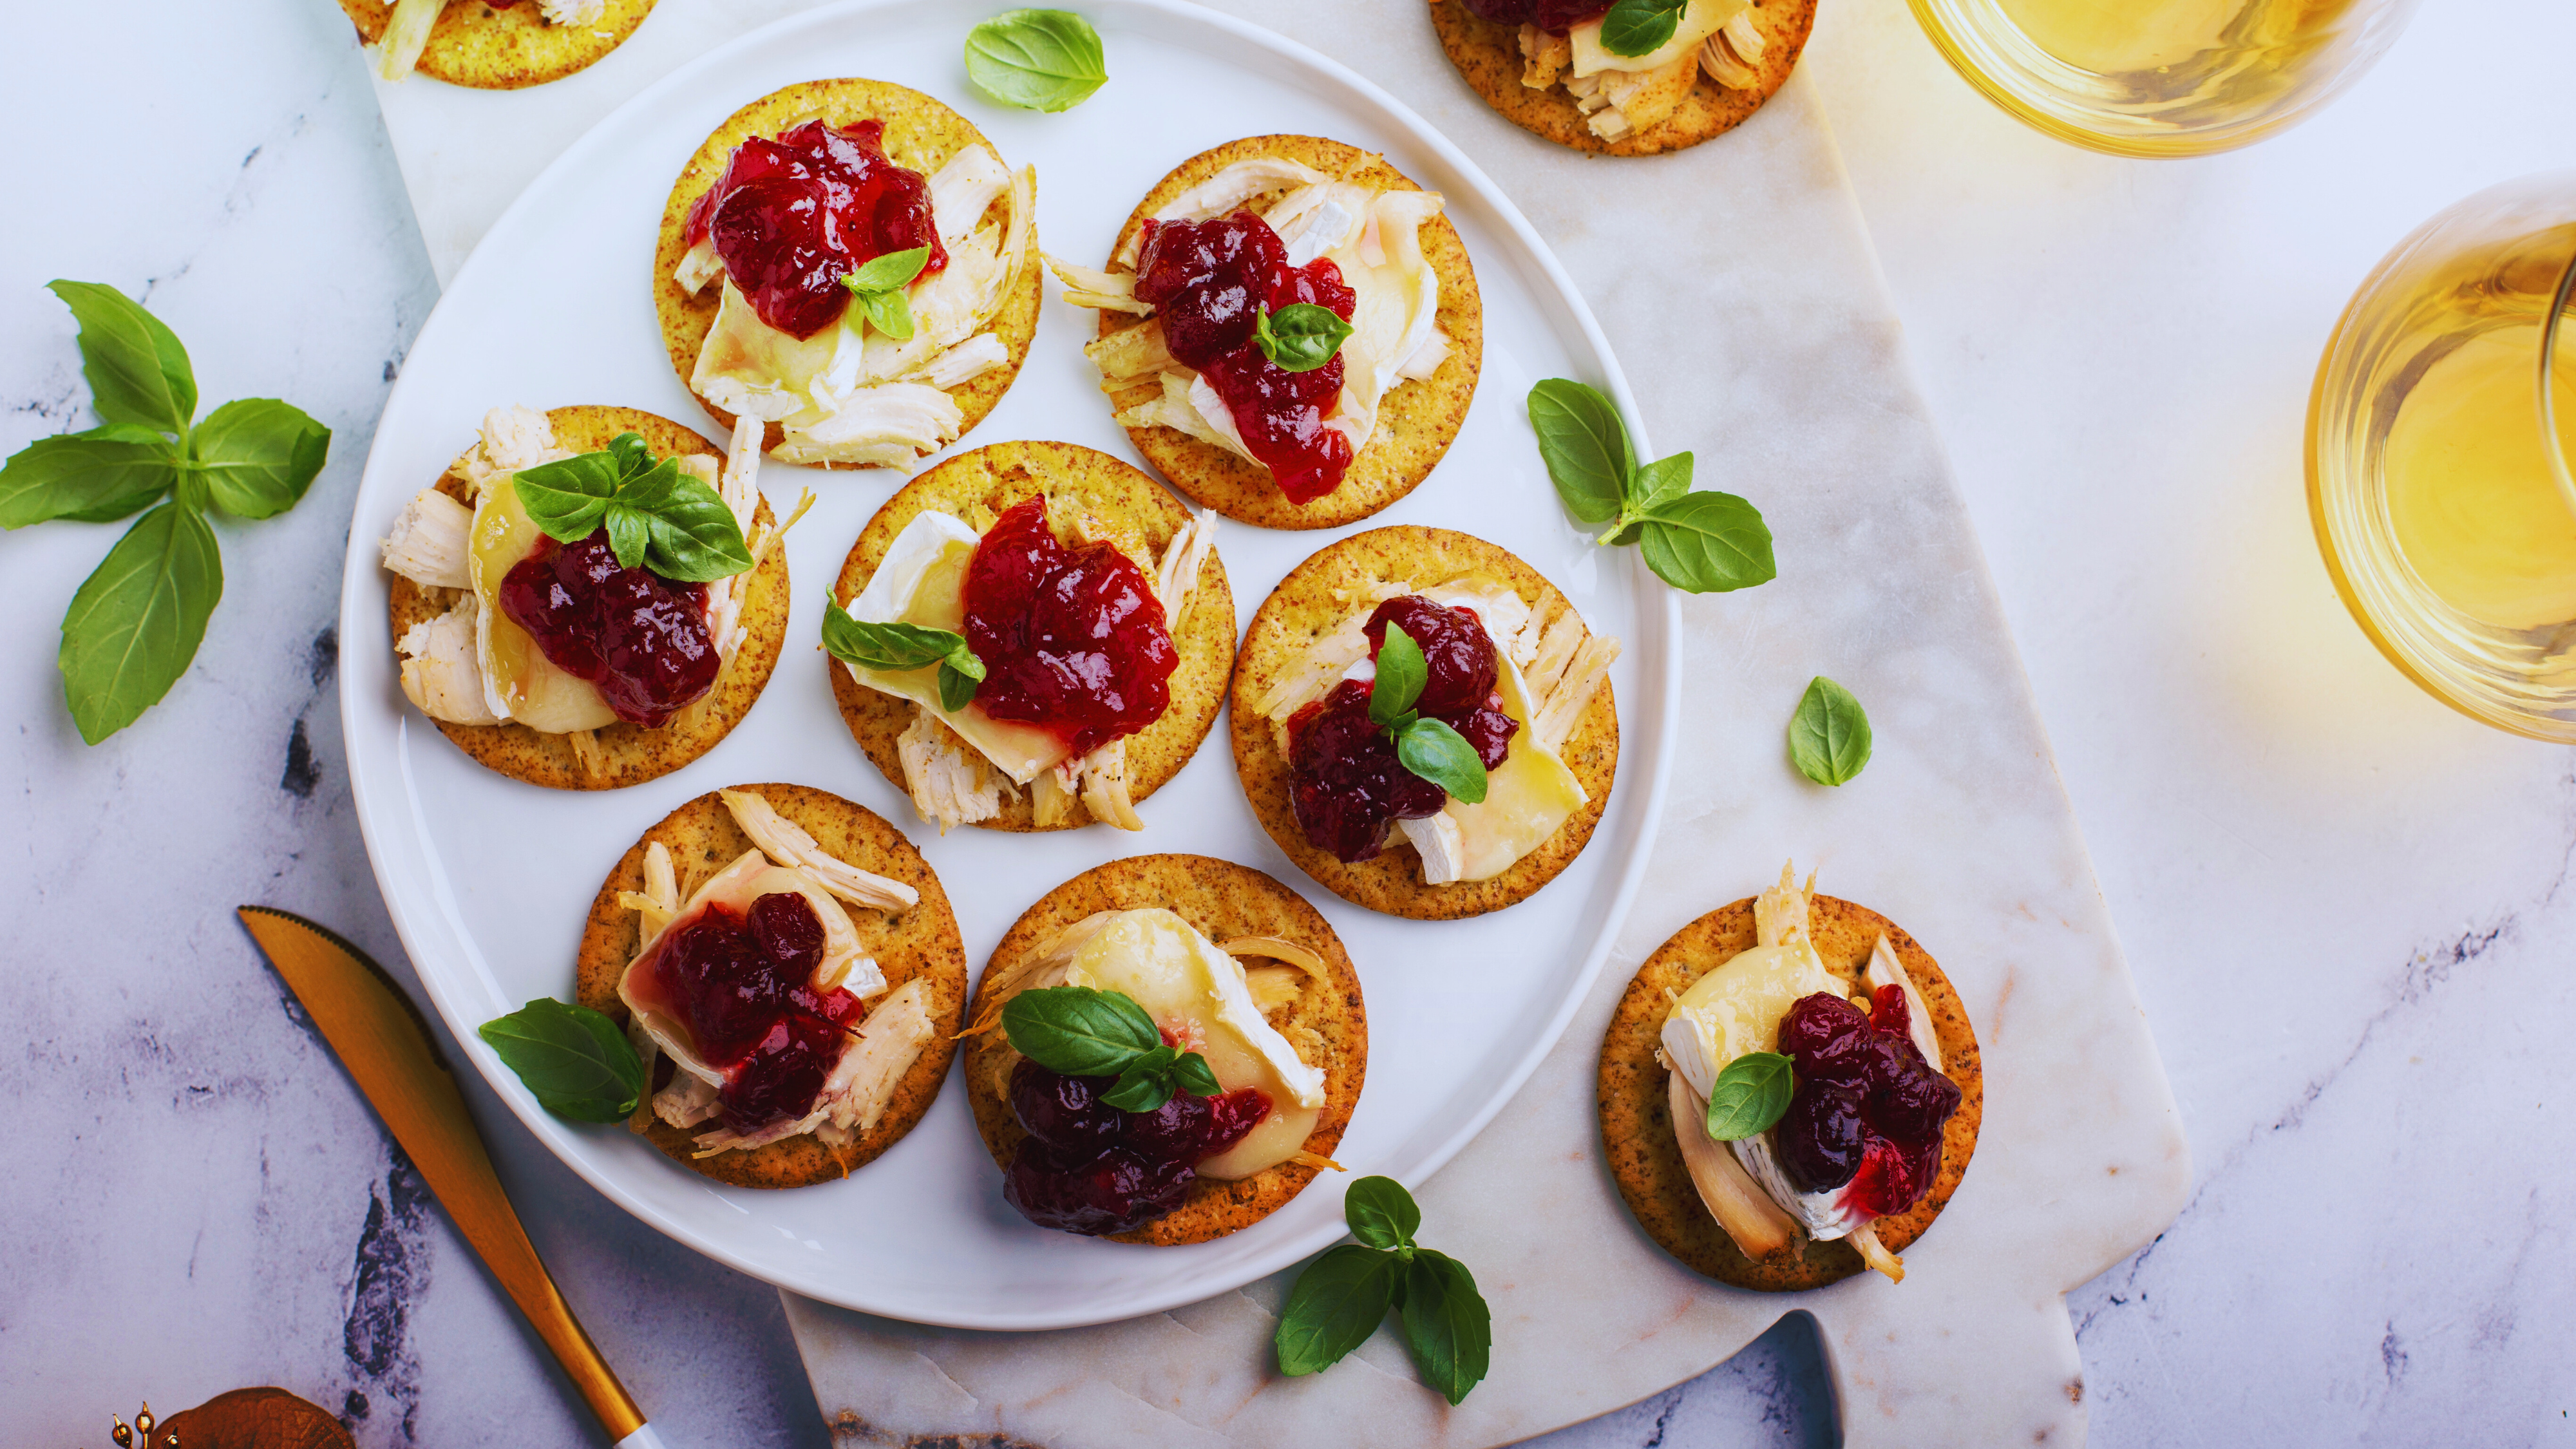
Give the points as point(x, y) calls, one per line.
point(488, 880)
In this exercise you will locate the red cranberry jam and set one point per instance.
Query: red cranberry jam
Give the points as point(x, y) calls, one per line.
point(793, 216)
point(639, 638)
point(1073, 639)
point(1089, 1168)
point(1208, 281)
point(742, 984)
point(1868, 1110)
point(1344, 780)
point(1553, 16)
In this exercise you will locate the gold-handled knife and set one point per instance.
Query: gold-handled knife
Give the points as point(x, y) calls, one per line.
point(386, 1045)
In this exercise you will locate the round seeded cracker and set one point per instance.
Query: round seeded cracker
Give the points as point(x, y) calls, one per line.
point(1636, 1112)
point(1489, 56)
point(506, 48)
point(1313, 601)
point(1127, 507)
point(1326, 1023)
point(633, 753)
point(919, 943)
point(1416, 420)
point(921, 134)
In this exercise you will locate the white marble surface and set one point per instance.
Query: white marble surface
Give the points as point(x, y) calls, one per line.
point(2341, 900)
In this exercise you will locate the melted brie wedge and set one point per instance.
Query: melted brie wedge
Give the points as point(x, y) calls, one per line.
point(922, 581)
point(1198, 994)
point(1528, 796)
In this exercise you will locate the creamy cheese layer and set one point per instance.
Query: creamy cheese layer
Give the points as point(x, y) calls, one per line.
point(519, 682)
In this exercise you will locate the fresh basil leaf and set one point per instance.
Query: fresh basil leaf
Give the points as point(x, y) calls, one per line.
point(1037, 60)
point(577, 1061)
point(566, 499)
point(889, 313)
point(693, 538)
point(1299, 337)
point(630, 533)
point(1750, 1095)
point(1192, 1074)
point(138, 619)
point(1076, 1031)
point(1640, 27)
point(1829, 735)
point(103, 474)
point(888, 273)
point(1381, 1213)
point(1446, 1324)
point(1337, 1303)
point(630, 456)
point(1584, 445)
point(1442, 756)
point(957, 687)
point(258, 455)
point(1661, 482)
point(1146, 1084)
point(895, 647)
point(1401, 673)
point(137, 371)
point(1708, 543)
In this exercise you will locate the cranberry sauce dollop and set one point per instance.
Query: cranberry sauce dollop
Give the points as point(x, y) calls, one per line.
point(1089, 1168)
point(1868, 1110)
point(1553, 16)
point(1344, 780)
point(639, 638)
point(793, 216)
point(1208, 281)
point(1073, 639)
point(742, 984)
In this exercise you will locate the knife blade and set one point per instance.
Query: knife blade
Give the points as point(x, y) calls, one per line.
point(386, 1046)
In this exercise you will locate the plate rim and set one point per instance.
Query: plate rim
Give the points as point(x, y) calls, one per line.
point(376, 816)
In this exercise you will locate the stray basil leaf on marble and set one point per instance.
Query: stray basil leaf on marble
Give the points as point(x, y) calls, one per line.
point(577, 1061)
point(1037, 60)
point(137, 371)
point(92, 477)
point(1337, 1303)
point(137, 620)
point(1707, 543)
point(1380, 1212)
point(1446, 1324)
point(1344, 1295)
point(1585, 447)
point(1698, 542)
point(258, 455)
point(1829, 738)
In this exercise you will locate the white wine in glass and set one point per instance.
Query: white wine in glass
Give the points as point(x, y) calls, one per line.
point(2161, 77)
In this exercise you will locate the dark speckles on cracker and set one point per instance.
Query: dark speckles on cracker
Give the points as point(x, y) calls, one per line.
point(920, 943)
point(1637, 1124)
point(632, 753)
point(508, 47)
point(1488, 55)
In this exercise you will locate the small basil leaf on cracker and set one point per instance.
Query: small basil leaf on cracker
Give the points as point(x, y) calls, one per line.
point(1431, 749)
point(630, 537)
point(1299, 337)
point(1641, 27)
point(1076, 1031)
point(878, 285)
point(1145, 1084)
point(1750, 1095)
point(693, 536)
point(577, 1061)
point(894, 647)
point(1037, 60)
point(566, 498)
point(1829, 737)
point(1192, 1074)
point(1401, 674)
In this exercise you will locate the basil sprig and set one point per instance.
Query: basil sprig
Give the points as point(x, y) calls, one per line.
point(577, 1061)
point(1299, 337)
point(1641, 27)
point(1427, 747)
point(877, 286)
point(1037, 60)
point(1343, 1296)
point(1700, 542)
point(1750, 1095)
point(657, 516)
point(893, 648)
point(1080, 1032)
point(1829, 735)
point(135, 623)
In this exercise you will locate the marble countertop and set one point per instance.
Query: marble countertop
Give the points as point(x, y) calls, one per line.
point(2337, 896)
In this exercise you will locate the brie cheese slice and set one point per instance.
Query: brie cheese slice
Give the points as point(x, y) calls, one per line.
point(519, 682)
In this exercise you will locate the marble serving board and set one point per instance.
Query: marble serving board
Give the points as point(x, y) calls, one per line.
point(1739, 288)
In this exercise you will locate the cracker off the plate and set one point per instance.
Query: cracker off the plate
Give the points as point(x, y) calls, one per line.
point(505, 48)
point(1488, 55)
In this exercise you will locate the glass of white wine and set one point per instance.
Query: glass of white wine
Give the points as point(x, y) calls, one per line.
point(2439, 432)
point(2162, 77)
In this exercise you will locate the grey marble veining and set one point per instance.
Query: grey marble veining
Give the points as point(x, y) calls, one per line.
point(2346, 907)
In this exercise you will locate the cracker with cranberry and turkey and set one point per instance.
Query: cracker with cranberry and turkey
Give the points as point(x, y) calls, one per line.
point(1636, 1095)
point(914, 947)
point(500, 45)
point(1417, 414)
point(1319, 1013)
point(973, 313)
point(1725, 59)
point(1303, 637)
point(1091, 499)
point(619, 754)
